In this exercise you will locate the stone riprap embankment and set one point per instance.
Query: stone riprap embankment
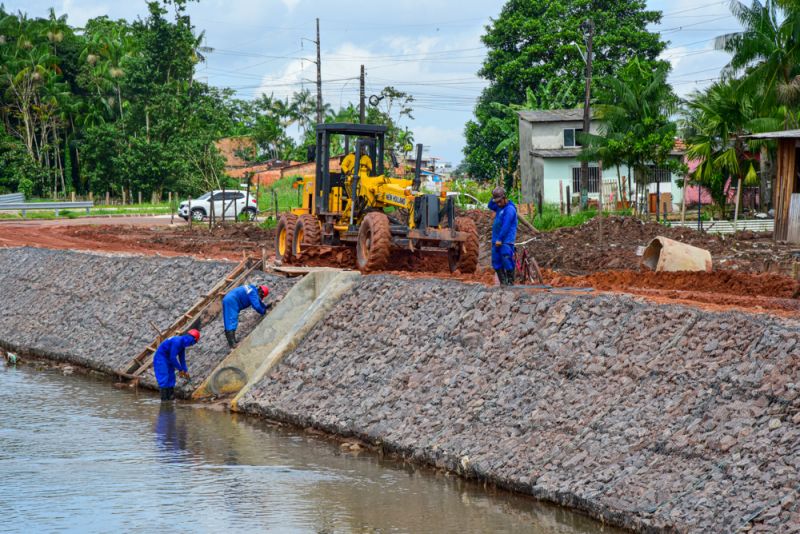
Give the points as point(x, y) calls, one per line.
point(658, 418)
point(95, 310)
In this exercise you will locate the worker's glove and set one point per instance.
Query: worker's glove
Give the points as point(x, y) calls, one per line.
point(498, 243)
point(184, 375)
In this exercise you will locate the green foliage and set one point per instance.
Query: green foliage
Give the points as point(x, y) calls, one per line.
point(551, 218)
point(635, 107)
point(532, 48)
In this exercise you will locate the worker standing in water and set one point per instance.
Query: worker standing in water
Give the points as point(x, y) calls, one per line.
point(240, 299)
point(171, 355)
point(504, 234)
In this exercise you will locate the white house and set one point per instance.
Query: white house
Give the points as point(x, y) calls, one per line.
point(549, 166)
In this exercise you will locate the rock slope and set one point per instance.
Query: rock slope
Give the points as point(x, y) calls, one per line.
point(95, 310)
point(652, 417)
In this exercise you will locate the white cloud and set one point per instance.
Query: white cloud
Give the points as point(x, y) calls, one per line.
point(79, 13)
point(290, 4)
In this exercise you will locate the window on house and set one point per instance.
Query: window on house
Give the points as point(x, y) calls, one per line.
point(571, 137)
point(657, 174)
point(594, 179)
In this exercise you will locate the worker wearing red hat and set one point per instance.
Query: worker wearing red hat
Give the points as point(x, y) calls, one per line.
point(240, 299)
point(171, 355)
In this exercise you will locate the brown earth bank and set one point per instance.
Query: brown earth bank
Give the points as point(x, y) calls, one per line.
point(570, 257)
point(586, 249)
point(227, 241)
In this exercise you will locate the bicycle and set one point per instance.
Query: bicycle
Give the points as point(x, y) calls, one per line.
point(527, 270)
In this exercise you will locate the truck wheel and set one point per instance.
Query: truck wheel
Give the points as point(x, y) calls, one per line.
point(284, 233)
point(464, 256)
point(198, 214)
point(306, 232)
point(374, 242)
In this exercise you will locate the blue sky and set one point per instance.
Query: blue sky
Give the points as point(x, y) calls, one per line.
point(429, 48)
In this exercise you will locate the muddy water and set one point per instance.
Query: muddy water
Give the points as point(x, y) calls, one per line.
point(78, 455)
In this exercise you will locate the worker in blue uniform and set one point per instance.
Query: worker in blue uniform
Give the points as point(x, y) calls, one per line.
point(240, 299)
point(504, 234)
point(171, 355)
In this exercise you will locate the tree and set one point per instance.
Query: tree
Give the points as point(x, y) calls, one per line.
point(634, 108)
point(766, 51)
point(532, 45)
point(718, 121)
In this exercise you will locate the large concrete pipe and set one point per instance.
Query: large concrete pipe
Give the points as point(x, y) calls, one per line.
point(664, 254)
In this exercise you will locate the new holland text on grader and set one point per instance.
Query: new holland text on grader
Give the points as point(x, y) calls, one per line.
point(349, 208)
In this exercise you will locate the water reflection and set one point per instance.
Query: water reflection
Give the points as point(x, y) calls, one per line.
point(78, 455)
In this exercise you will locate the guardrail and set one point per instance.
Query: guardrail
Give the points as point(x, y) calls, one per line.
point(727, 227)
point(12, 197)
point(55, 206)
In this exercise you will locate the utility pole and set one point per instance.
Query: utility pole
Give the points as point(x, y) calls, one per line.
point(587, 118)
point(319, 79)
point(361, 100)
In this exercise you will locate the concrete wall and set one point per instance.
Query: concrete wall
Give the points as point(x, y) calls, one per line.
point(658, 418)
point(550, 135)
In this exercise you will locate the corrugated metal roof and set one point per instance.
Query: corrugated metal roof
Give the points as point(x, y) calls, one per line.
point(556, 152)
point(784, 134)
point(552, 115)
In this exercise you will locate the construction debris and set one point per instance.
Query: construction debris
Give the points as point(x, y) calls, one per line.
point(667, 255)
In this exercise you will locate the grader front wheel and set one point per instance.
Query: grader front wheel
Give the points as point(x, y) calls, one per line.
point(464, 256)
point(374, 242)
point(284, 235)
point(306, 233)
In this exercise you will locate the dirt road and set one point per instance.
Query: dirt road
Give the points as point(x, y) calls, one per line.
point(138, 235)
point(751, 269)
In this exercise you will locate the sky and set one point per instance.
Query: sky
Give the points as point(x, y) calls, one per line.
point(428, 48)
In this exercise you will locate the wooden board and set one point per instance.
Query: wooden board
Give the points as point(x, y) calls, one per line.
point(793, 223)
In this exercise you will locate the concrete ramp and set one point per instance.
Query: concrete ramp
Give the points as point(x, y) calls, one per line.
point(278, 334)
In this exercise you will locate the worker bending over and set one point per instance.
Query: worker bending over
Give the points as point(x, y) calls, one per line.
point(171, 355)
point(504, 234)
point(240, 299)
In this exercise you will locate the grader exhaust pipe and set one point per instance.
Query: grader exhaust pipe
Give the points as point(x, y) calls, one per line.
point(667, 255)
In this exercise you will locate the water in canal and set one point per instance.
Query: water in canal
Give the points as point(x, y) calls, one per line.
point(78, 455)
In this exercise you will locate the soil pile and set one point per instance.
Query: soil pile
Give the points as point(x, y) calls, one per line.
point(652, 417)
point(585, 249)
point(96, 311)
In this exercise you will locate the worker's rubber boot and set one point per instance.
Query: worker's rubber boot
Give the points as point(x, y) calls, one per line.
point(510, 277)
point(501, 276)
point(230, 335)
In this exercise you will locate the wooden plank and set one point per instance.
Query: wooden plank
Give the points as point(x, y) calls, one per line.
point(793, 221)
point(141, 362)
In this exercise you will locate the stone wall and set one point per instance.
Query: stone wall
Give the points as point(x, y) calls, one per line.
point(95, 310)
point(652, 417)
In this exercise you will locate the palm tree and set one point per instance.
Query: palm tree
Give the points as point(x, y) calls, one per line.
point(635, 109)
point(718, 121)
point(766, 51)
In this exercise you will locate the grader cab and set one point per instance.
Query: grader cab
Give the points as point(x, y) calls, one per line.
point(360, 206)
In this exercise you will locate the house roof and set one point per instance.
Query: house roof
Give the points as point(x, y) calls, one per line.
point(552, 115)
point(784, 134)
point(556, 152)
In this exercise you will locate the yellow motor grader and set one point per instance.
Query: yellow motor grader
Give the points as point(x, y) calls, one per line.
point(362, 207)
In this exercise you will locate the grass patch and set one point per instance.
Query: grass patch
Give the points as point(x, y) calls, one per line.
point(552, 219)
point(287, 196)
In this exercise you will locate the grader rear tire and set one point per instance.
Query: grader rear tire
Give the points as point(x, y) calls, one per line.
point(306, 232)
point(284, 234)
point(374, 242)
point(464, 258)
